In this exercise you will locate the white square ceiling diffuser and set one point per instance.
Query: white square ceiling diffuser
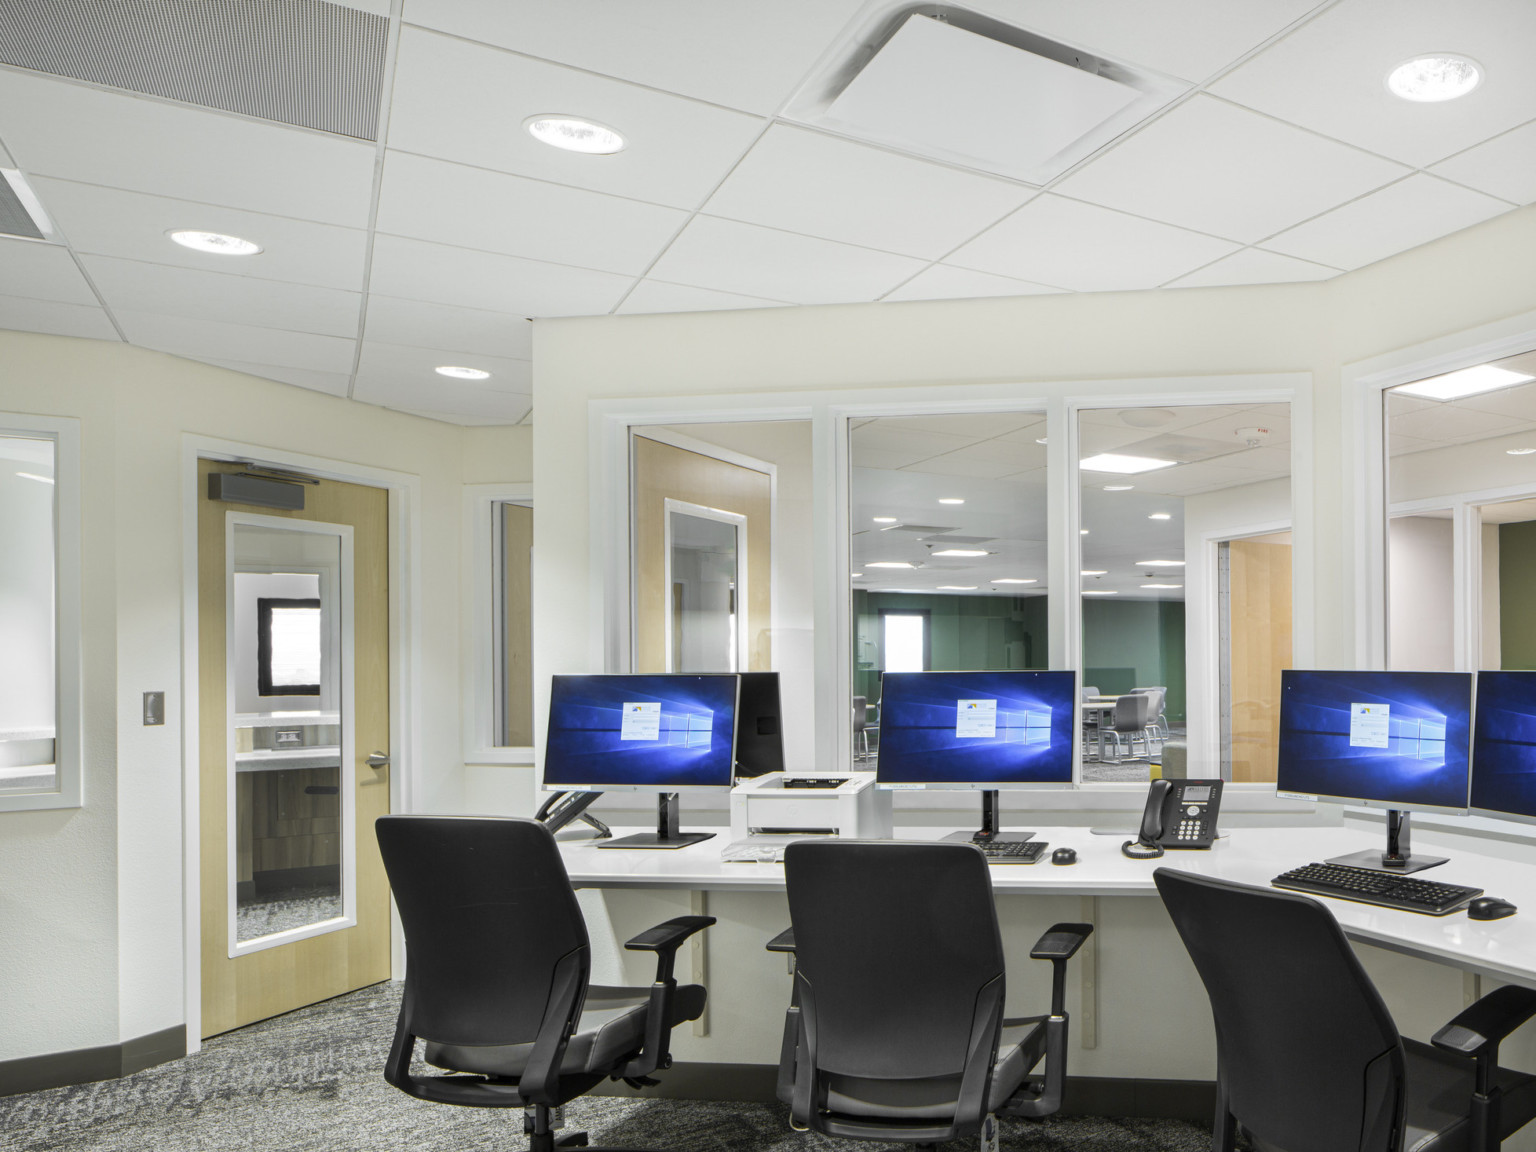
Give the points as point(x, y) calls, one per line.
point(958, 87)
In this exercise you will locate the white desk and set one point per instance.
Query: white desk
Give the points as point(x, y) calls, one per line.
point(1504, 949)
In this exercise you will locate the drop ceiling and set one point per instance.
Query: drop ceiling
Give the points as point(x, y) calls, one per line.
point(1281, 157)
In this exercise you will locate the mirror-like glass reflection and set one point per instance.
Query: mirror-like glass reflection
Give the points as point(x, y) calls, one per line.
point(704, 574)
point(27, 576)
point(288, 776)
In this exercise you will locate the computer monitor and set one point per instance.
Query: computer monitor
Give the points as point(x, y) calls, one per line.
point(1394, 740)
point(759, 726)
point(1504, 746)
point(642, 733)
point(977, 730)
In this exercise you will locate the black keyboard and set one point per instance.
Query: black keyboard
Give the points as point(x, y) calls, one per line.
point(1369, 886)
point(1013, 851)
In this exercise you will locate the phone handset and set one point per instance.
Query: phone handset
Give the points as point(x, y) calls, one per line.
point(1146, 846)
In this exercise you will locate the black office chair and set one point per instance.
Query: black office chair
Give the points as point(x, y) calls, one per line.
point(1308, 1058)
point(896, 1028)
point(497, 962)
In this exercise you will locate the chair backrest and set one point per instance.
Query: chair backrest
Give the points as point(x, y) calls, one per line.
point(1089, 692)
point(1308, 1053)
point(491, 925)
point(860, 713)
point(1131, 712)
point(897, 948)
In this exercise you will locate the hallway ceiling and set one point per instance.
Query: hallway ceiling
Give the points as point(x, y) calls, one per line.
point(437, 228)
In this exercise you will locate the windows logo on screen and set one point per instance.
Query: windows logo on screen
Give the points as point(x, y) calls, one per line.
point(1031, 726)
point(687, 729)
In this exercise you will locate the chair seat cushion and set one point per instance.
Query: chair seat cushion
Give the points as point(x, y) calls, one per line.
point(933, 1098)
point(1439, 1092)
point(610, 1030)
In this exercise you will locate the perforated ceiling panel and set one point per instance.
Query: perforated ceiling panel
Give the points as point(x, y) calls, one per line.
point(14, 218)
point(300, 62)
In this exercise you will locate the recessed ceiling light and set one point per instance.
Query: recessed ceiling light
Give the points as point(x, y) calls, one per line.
point(1095, 571)
point(1159, 564)
point(1466, 382)
point(1082, 531)
point(957, 587)
point(574, 134)
point(889, 564)
point(1039, 439)
point(950, 500)
point(885, 519)
point(1162, 585)
point(962, 552)
point(855, 575)
point(459, 373)
point(1129, 465)
point(1519, 451)
point(215, 242)
point(1429, 79)
point(35, 476)
point(1013, 580)
point(1160, 516)
point(1118, 487)
point(1100, 592)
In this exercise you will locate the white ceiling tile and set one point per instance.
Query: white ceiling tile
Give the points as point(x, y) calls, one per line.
point(1254, 266)
point(658, 296)
point(1218, 168)
point(331, 383)
point(55, 318)
point(1400, 216)
point(981, 426)
point(1189, 479)
point(1504, 166)
point(1053, 240)
point(467, 102)
point(440, 326)
point(109, 222)
point(1330, 76)
point(496, 212)
point(5, 158)
point(754, 261)
point(415, 269)
point(1518, 403)
point(824, 186)
point(410, 368)
point(912, 444)
point(42, 272)
point(1273, 460)
point(966, 463)
point(56, 128)
point(747, 56)
point(1447, 423)
point(211, 339)
point(212, 296)
point(946, 282)
point(1192, 39)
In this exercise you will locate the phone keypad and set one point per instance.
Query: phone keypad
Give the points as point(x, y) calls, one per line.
point(1191, 829)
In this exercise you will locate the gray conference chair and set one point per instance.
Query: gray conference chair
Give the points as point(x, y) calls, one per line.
point(896, 1028)
point(1130, 723)
point(1307, 1056)
point(496, 974)
point(860, 728)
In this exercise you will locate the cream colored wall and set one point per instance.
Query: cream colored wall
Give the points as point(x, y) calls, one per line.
point(91, 898)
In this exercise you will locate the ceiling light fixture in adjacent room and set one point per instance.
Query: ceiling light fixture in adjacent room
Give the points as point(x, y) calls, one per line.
point(35, 476)
point(1095, 572)
point(1118, 487)
point(1159, 564)
point(950, 500)
point(957, 588)
point(963, 552)
point(457, 372)
point(889, 564)
point(216, 242)
point(1465, 382)
point(1519, 451)
point(1129, 465)
point(573, 134)
point(1162, 585)
point(885, 519)
point(1100, 592)
point(1013, 580)
point(1160, 516)
point(1431, 79)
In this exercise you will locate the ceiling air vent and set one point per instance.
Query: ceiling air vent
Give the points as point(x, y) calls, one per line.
point(301, 62)
point(948, 84)
point(21, 214)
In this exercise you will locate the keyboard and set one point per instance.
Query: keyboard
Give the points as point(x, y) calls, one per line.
point(1369, 886)
point(1013, 851)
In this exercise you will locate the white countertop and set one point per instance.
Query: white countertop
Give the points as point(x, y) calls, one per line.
point(1505, 949)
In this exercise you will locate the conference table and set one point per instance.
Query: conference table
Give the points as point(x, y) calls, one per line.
point(1502, 949)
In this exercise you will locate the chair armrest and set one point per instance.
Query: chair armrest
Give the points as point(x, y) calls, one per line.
point(1060, 942)
point(665, 939)
point(1487, 1022)
point(783, 942)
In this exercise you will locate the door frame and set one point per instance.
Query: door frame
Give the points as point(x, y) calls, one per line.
point(405, 720)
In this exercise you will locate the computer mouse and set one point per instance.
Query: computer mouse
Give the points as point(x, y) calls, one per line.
point(1490, 908)
point(1064, 856)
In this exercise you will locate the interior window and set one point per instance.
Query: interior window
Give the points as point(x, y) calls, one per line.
point(28, 581)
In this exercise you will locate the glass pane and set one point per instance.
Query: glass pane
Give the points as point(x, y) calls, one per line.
point(1152, 479)
point(703, 590)
point(288, 777)
point(1508, 616)
point(948, 549)
point(1420, 599)
point(27, 582)
point(514, 658)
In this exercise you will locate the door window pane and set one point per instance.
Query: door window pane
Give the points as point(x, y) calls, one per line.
point(904, 641)
point(28, 684)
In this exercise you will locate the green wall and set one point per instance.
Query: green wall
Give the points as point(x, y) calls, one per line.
point(1517, 607)
point(1134, 643)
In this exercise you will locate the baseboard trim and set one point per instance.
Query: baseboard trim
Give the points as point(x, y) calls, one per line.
point(1085, 1095)
point(86, 1065)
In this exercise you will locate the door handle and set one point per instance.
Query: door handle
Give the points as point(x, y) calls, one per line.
point(378, 760)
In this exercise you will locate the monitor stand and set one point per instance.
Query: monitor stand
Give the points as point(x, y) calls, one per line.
point(667, 834)
point(1396, 858)
point(991, 822)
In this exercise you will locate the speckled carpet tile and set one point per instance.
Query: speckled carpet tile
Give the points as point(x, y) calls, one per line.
point(312, 1081)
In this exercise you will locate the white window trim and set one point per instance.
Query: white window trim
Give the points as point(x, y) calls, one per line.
point(68, 791)
point(480, 616)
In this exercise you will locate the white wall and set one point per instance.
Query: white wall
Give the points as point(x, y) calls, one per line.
point(1421, 607)
point(91, 898)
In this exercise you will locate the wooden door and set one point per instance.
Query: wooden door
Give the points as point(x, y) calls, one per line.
point(1259, 633)
point(290, 820)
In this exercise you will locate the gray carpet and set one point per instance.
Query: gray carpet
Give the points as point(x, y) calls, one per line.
point(311, 1081)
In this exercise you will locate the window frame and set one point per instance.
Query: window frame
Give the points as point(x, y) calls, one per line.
point(68, 653)
point(482, 623)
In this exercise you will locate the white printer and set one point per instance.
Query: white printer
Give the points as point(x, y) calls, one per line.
point(845, 804)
